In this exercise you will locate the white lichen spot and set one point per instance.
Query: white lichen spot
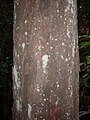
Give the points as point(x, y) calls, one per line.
point(34, 18)
point(40, 111)
point(35, 28)
point(64, 50)
point(29, 110)
point(42, 47)
point(57, 53)
point(19, 67)
point(42, 104)
point(72, 62)
point(60, 16)
point(41, 117)
point(71, 93)
point(43, 94)
point(68, 88)
point(38, 89)
point(15, 74)
point(15, 52)
point(66, 59)
point(14, 87)
point(56, 39)
point(59, 70)
point(35, 118)
point(67, 114)
point(41, 38)
point(51, 91)
point(49, 56)
point(70, 71)
point(71, 21)
point(18, 104)
point(17, 2)
point(25, 21)
point(57, 11)
point(62, 57)
point(36, 54)
point(15, 16)
point(70, 2)
point(23, 46)
point(73, 52)
point(38, 62)
point(69, 58)
point(17, 28)
point(39, 48)
point(50, 36)
point(39, 20)
point(63, 44)
point(26, 33)
point(57, 4)
point(72, 11)
point(46, 110)
point(67, 8)
point(45, 99)
point(73, 49)
point(25, 10)
point(57, 85)
point(51, 47)
point(68, 32)
point(47, 43)
point(45, 18)
point(44, 62)
point(56, 82)
point(18, 55)
point(57, 101)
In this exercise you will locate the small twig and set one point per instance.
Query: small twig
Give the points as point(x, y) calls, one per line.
point(82, 113)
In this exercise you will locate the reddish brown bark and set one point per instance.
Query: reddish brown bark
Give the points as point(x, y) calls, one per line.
point(46, 66)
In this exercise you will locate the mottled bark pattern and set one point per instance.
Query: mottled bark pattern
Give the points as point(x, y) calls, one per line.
point(46, 66)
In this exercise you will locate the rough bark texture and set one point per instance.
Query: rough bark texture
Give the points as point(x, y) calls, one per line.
point(46, 66)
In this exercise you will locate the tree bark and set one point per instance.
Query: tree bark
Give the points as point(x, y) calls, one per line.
point(45, 60)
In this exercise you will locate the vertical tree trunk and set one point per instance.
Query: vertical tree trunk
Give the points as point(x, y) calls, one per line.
point(46, 66)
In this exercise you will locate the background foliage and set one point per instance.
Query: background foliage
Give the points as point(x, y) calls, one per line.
point(6, 48)
point(84, 51)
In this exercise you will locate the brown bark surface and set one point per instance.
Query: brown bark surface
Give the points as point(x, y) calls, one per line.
point(46, 65)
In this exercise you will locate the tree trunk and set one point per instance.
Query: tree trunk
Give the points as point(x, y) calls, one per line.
point(46, 65)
